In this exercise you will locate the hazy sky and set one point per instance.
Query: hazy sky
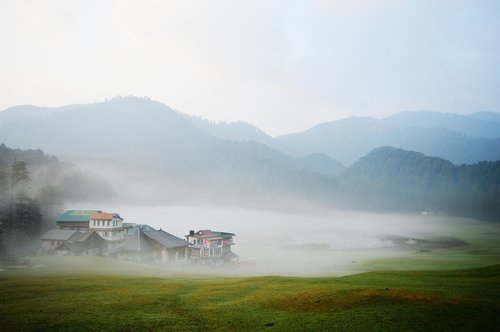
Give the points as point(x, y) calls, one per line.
point(281, 65)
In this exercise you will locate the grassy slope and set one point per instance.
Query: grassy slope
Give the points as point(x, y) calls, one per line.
point(403, 300)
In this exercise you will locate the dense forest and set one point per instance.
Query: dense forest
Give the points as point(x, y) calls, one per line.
point(394, 179)
point(33, 189)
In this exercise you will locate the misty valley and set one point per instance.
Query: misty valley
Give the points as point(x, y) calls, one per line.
point(249, 165)
point(183, 223)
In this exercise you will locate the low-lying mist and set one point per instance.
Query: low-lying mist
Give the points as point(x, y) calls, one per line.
point(307, 243)
point(275, 235)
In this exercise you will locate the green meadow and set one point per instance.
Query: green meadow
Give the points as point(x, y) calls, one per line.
point(437, 300)
point(445, 283)
point(109, 299)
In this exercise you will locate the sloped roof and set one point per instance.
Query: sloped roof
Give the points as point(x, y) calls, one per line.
point(145, 228)
point(206, 233)
point(223, 234)
point(78, 236)
point(166, 240)
point(59, 234)
point(104, 216)
point(137, 242)
point(79, 242)
point(76, 215)
point(85, 236)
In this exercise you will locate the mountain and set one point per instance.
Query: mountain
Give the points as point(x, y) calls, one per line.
point(478, 125)
point(145, 151)
point(460, 139)
point(395, 179)
point(112, 129)
point(28, 112)
point(237, 131)
point(487, 116)
point(146, 133)
point(233, 131)
point(53, 180)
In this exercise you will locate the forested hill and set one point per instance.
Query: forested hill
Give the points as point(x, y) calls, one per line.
point(33, 157)
point(394, 179)
point(458, 138)
point(144, 132)
point(194, 159)
point(34, 187)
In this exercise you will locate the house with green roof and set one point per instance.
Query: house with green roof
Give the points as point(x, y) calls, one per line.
point(75, 219)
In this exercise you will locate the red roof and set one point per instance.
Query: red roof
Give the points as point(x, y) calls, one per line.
point(102, 216)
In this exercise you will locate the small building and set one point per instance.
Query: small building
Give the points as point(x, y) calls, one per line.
point(146, 244)
point(110, 227)
point(75, 219)
point(85, 244)
point(55, 237)
point(211, 245)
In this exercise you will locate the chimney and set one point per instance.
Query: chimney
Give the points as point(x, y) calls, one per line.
point(191, 232)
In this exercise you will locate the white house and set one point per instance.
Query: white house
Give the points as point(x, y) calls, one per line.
point(109, 226)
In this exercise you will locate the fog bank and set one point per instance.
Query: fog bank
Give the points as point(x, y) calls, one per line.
point(323, 242)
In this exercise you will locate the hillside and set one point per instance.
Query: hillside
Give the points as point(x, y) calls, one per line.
point(144, 133)
point(394, 179)
point(151, 153)
point(460, 139)
point(34, 187)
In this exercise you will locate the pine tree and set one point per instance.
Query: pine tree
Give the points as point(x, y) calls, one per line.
point(23, 217)
point(20, 176)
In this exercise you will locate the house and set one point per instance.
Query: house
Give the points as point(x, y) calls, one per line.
point(70, 241)
point(110, 227)
point(207, 245)
point(75, 219)
point(146, 244)
point(55, 237)
point(85, 244)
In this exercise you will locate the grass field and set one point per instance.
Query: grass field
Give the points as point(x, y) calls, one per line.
point(448, 281)
point(118, 296)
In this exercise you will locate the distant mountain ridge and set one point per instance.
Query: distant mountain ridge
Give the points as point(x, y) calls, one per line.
point(462, 139)
point(240, 162)
point(473, 125)
point(458, 138)
point(142, 131)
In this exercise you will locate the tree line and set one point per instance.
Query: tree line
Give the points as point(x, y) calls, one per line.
point(20, 213)
point(34, 187)
point(398, 180)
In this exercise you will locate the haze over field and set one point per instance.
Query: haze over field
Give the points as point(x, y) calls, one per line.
point(250, 165)
point(326, 146)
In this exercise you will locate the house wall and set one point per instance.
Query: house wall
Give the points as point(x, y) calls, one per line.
point(78, 226)
point(164, 255)
point(50, 245)
point(109, 229)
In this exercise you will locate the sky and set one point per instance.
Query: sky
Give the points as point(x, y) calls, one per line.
point(283, 66)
